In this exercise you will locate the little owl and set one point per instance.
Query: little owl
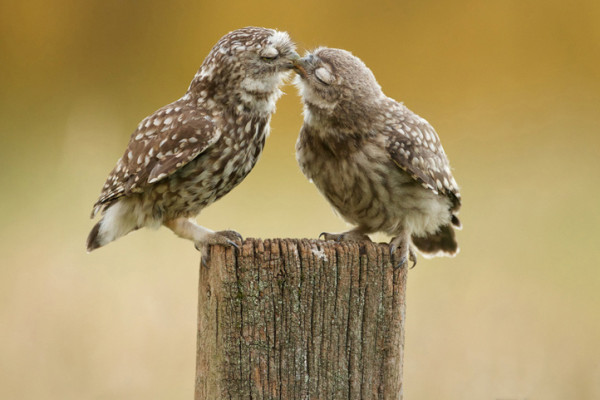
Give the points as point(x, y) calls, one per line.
point(192, 152)
point(381, 166)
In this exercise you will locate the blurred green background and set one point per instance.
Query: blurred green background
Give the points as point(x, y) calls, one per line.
point(512, 87)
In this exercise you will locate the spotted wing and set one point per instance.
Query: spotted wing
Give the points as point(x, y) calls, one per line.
point(162, 143)
point(415, 147)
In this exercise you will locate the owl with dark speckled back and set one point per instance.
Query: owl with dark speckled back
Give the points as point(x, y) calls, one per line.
point(381, 166)
point(190, 153)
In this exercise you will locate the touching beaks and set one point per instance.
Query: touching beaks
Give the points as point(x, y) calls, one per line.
point(300, 66)
point(292, 58)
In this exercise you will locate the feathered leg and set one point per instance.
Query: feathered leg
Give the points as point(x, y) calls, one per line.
point(400, 245)
point(201, 236)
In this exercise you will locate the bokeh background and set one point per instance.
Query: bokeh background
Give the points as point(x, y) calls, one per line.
point(512, 87)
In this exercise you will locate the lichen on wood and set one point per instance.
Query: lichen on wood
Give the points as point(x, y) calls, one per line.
point(300, 319)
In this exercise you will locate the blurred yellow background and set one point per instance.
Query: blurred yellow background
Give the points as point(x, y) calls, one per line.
point(512, 87)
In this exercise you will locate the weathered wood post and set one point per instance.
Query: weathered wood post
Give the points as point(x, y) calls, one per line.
point(300, 319)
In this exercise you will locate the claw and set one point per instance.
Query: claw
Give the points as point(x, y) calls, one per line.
point(330, 236)
point(404, 260)
point(204, 261)
point(225, 238)
point(237, 235)
point(231, 235)
point(401, 244)
point(236, 249)
point(351, 236)
point(204, 250)
point(401, 264)
point(412, 257)
point(234, 244)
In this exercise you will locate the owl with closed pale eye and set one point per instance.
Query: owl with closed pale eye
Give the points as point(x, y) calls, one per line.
point(381, 166)
point(193, 151)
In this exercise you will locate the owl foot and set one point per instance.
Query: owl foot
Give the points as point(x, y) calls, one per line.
point(232, 235)
point(203, 238)
point(403, 261)
point(223, 238)
point(350, 236)
point(401, 246)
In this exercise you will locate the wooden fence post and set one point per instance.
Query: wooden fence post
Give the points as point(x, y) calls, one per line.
point(300, 319)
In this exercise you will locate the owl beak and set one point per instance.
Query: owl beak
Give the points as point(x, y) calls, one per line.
point(293, 57)
point(300, 66)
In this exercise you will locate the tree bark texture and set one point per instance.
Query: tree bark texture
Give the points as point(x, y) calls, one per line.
point(300, 319)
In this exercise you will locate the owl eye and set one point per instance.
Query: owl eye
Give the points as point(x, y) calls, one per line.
point(270, 54)
point(324, 76)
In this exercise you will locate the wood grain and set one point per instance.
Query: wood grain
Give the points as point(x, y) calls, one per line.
point(300, 319)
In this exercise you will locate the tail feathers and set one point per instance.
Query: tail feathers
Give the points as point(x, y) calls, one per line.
point(118, 220)
point(93, 240)
point(442, 242)
point(456, 222)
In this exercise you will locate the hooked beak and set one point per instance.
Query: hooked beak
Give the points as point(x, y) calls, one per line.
point(300, 66)
point(292, 60)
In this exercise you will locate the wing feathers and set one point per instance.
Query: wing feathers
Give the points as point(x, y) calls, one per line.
point(162, 144)
point(415, 147)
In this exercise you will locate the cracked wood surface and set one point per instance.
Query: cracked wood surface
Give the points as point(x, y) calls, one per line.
point(300, 319)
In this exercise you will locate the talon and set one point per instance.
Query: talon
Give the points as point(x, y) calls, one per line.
point(402, 263)
point(204, 259)
point(350, 236)
point(237, 235)
point(231, 235)
point(412, 257)
point(329, 236)
point(234, 244)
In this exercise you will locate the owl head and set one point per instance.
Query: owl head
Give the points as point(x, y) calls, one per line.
point(247, 62)
point(337, 84)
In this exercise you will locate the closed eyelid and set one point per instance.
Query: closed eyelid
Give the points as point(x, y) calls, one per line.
point(270, 52)
point(324, 75)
